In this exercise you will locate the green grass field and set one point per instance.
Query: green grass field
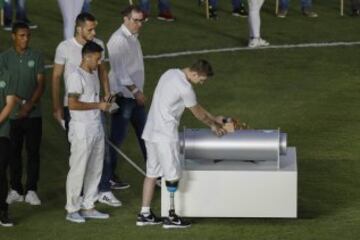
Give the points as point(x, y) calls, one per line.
point(311, 93)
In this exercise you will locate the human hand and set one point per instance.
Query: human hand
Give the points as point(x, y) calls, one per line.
point(140, 98)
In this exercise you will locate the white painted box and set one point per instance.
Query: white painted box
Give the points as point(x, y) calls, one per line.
point(236, 189)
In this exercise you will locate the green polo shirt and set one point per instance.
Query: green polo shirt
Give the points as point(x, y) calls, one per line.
point(7, 87)
point(23, 69)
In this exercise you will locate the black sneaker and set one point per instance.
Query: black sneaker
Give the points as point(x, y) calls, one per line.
point(150, 219)
point(119, 185)
point(174, 221)
point(5, 221)
point(240, 12)
point(212, 14)
point(355, 13)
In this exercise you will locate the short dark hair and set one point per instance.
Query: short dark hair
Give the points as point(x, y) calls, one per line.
point(129, 9)
point(202, 67)
point(91, 47)
point(83, 17)
point(19, 25)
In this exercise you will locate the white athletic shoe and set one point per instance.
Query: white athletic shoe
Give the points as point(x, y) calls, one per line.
point(13, 196)
point(109, 199)
point(94, 214)
point(258, 42)
point(75, 217)
point(32, 198)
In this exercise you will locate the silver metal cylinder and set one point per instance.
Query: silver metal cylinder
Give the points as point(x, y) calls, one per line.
point(240, 145)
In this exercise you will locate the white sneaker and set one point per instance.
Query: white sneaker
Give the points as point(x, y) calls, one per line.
point(109, 199)
point(75, 217)
point(258, 42)
point(13, 196)
point(94, 214)
point(32, 198)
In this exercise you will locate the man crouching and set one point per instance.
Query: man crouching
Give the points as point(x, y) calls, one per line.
point(86, 136)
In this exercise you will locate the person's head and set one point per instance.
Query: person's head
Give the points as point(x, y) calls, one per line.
point(85, 25)
point(91, 55)
point(21, 35)
point(133, 18)
point(200, 71)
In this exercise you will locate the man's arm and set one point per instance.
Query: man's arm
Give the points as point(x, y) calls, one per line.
point(10, 104)
point(117, 52)
point(104, 78)
point(56, 83)
point(75, 104)
point(204, 116)
point(35, 98)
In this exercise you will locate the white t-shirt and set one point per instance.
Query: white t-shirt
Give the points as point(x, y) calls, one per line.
point(88, 87)
point(172, 94)
point(126, 62)
point(68, 53)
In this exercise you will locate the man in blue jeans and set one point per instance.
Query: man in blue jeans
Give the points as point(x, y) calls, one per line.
point(127, 79)
point(306, 8)
point(164, 10)
point(238, 8)
point(20, 14)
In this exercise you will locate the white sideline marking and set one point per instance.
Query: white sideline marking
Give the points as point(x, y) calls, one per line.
point(234, 49)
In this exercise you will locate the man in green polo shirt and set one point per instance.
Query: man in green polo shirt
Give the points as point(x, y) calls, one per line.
point(7, 103)
point(26, 67)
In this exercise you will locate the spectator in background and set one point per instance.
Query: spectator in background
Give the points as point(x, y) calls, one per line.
point(21, 15)
point(26, 67)
point(7, 103)
point(164, 10)
point(255, 39)
point(238, 8)
point(69, 11)
point(355, 8)
point(306, 8)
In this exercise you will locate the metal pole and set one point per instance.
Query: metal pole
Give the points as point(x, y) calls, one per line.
point(341, 7)
point(131, 2)
point(207, 9)
point(139, 169)
point(276, 7)
point(1, 17)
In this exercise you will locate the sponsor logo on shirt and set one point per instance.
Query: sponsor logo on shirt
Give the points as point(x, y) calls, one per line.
point(2, 84)
point(31, 63)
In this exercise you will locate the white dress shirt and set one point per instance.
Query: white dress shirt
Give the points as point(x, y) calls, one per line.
point(126, 62)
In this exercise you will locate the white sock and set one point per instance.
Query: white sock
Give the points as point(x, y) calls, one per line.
point(145, 210)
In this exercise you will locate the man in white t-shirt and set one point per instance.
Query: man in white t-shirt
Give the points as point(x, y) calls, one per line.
point(86, 136)
point(172, 95)
point(67, 60)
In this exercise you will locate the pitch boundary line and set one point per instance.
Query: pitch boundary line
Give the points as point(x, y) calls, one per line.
point(236, 49)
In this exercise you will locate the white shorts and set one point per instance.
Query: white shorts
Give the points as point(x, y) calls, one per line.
point(163, 160)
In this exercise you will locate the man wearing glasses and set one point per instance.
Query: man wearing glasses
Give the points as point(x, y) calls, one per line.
point(127, 80)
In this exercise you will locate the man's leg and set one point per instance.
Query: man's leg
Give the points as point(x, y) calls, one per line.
point(4, 161)
point(145, 6)
point(153, 170)
point(119, 128)
point(138, 120)
point(75, 178)
point(163, 6)
point(17, 139)
point(33, 134)
point(284, 5)
point(8, 12)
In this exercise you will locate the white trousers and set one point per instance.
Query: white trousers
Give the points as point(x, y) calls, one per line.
point(86, 163)
point(70, 9)
point(254, 18)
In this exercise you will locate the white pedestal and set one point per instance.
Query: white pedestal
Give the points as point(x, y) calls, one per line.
point(236, 189)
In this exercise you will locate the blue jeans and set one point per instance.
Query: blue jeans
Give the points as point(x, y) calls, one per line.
point(235, 3)
point(129, 112)
point(86, 7)
point(20, 11)
point(284, 4)
point(163, 5)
